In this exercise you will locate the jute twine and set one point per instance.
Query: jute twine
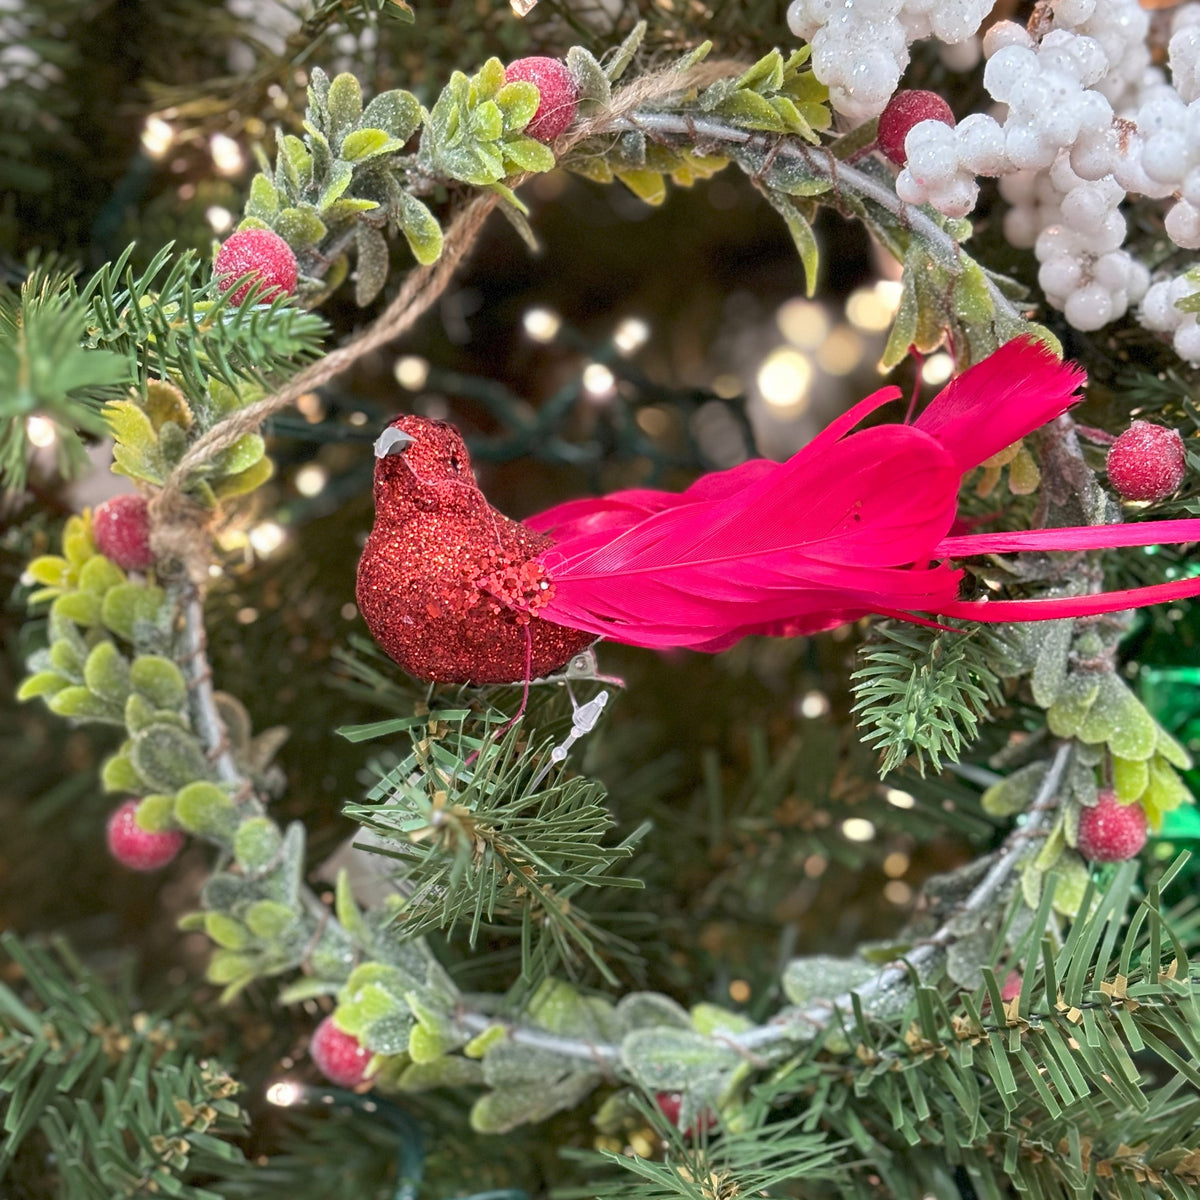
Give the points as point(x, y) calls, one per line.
point(180, 527)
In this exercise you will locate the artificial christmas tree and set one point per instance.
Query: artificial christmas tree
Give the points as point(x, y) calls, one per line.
point(837, 911)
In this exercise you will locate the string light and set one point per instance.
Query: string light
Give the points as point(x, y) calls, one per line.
point(218, 218)
point(411, 372)
point(784, 378)
point(541, 324)
point(857, 829)
point(226, 154)
point(632, 334)
point(803, 323)
point(311, 479)
point(40, 432)
point(937, 369)
point(285, 1093)
point(728, 387)
point(598, 381)
point(266, 538)
point(841, 351)
point(814, 704)
point(898, 799)
point(157, 137)
point(522, 8)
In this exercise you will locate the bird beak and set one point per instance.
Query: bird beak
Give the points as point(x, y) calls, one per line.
point(392, 441)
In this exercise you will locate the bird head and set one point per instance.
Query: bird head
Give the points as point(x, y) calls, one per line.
point(422, 461)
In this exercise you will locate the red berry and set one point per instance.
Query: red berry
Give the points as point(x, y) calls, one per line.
point(341, 1058)
point(1011, 988)
point(904, 110)
point(266, 254)
point(1110, 831)
point(1146, 462)
point(559, 92)
point(138, 848)
point(670, 1104)
point(121, 527)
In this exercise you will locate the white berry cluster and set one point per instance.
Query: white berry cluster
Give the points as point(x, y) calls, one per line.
point(1159, 313)
point(860, 47)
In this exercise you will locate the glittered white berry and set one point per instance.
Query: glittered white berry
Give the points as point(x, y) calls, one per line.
point(1089, 309)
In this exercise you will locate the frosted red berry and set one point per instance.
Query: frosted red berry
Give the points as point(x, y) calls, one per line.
point(121, 528)
point(137, 848)
point(1146, 462)
point(341, 1058)
point(903, 111)
point(558, 89)
point(266, 254)
point(1011, 988)
point(670, 1104)
point(1110, 831)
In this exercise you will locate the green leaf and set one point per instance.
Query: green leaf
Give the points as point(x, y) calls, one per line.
point(118, 775)
point(1131, 777)
point(1165, 792)
point(241, 456)
point(155, 814)
point(81, 607)
point(49, 569)
point(593, 87)
point(256, 844)
point(301, 227)
point(1172, 751)
point(136, 452)
point(423, 233)
point(396, 111)
point(529, 154)
point(505, 1109)
point(366, 143)
point(1015, 793)
point(1050, 669)
point(167, 758)
point(649, 186)
point(823, 977)
point(490, 79)
point(268, 919)
point(44, 683)
point(263, 201)
point(205, 809)
point(624, 53)
point(518, 102)
point(1071, 886)
point(749, 110)
point(372, 264)
point(227, 932)
point(131, 607)
point(82, 705)
point(159, 680)
point(766, 75)
point(487, 123)
point(245, 481)
point(107, 673)
point(345, 107)
point(449, 1071)
point(677, 1060)
point(1067, 714)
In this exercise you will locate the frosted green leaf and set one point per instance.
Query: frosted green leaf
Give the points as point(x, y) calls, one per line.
point(106, 673)
point(98, 574)
point(230, 967)
point(529, 154)
point(712, 1019)
point(593, 88)
point(255, 844)
point(1050, 669)
point(449, 1071)
point(398, 112)
point(243, 482)
point(372, 264)
point(623, 55)
point(156, 813)
point(167, 757)
point(1067, 714)
point(749, 110)
point(486, 122)
point(263, 201)
point(78, 544)
point(1070, 886)
point(66, 657)
point(517, 101)
point(347, 911)
point(1165, 792)
point(1172, 751)
point(241, 456)
point(268, 919)
point(425, 1045)
point(1134, 733)
point(649, 186)
point(345, 106)
point(423, 233)
point(490, 79)
point(44, 683)
point(301, 227)
point(227, 932)
point(118, 775)
point(367, 143)
point(641, 1010)
point(346, 209)
point(365, 1006)
point(1052, 847)
point(505, 1109)
point(1014, 793)
point(205, 809)
point(676, 1060)
point(83, 705)
point(766, 75)
point(49, 569)
point(159, 680)
point(389, 1035)
point(823, 977)
point(81, 607)
point(1131, 777)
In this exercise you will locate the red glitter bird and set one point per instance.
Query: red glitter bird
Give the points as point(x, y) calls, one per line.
point(857, 522)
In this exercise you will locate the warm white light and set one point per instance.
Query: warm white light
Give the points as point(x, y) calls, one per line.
point(868, 311)
point(784, 378)
point(266, 538)
point(814, 704)
point(937, 369)
point(598, 380)
point(898, 799)
point(40, 432)
point(728, 386)
point(218, 218)
point(858, 829)
point(840, 352)
point(157, 137)
point(632, 334)
point(541, 324)
point(522, 8)
point(226, 154)
point(411, 372)
point(803, 323)
point(285, 1093)
point(311, 479)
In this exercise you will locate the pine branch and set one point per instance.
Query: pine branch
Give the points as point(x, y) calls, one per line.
point(104, 1099)
point(922, 692)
